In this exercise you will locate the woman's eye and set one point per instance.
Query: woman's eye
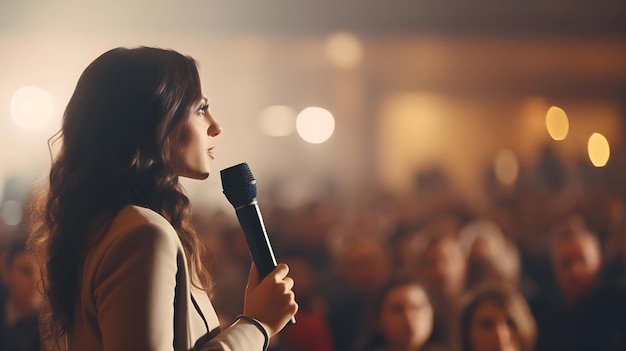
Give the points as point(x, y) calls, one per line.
point(202, 109)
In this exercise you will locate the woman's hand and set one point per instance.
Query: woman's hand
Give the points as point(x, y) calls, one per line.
point(271, 301)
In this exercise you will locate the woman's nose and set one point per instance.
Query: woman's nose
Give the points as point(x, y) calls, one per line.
point(215, 128)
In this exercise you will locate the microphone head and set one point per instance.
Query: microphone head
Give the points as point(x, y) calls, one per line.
point(239, 185)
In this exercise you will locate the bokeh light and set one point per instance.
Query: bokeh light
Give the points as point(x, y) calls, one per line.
point(344, 49)
point(506, 167)
point(277, 120)
point(32, 107)
point(599, 150)
point(557, 123)
point(315, 124)
point(12, 212)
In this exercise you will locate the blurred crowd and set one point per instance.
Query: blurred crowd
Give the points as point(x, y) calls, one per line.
point(539, 266)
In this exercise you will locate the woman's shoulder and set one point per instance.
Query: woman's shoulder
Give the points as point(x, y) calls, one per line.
point(136, 240)
point(132, 217)
point(132, 214)
point(133, 223)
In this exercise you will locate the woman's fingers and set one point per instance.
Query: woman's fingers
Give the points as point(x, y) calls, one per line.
point(280, 272)
point(271, 301)
point(288, 282)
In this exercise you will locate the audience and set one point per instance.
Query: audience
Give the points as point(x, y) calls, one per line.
point(423, 270)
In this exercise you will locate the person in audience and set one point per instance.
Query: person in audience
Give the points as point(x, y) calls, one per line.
point(440, 263)
point(495, 317)
point(577, 261)
point(490, 256)
point(581, 314)
point(363, 267)
point(402, 318)
point(20, 302)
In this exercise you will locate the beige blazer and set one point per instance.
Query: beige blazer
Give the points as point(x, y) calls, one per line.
point(136, 294)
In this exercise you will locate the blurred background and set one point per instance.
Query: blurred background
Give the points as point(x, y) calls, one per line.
point(410, 85)
point(360, 116)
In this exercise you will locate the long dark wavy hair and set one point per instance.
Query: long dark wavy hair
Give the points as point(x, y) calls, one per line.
point(118, 130)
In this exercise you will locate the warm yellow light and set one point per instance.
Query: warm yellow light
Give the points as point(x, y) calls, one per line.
point(506, 167)
point(599, 150)
point(278, 120)
point(32, 107)
point(557, 123)
point(315, 124)
point(344, 50)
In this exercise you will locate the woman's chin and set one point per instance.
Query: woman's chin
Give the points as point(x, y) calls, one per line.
point(196, 175)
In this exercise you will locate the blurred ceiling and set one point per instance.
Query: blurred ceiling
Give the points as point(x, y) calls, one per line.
point(507, 17)
point(552, 17)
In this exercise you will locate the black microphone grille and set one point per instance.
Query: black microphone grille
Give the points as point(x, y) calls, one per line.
point(238, 184)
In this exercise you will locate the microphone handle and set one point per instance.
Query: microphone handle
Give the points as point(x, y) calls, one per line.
point(251, 222)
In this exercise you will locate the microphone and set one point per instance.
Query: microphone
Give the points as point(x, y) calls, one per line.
point(239, 186)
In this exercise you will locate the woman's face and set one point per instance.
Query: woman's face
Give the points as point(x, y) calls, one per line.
point(406, 317)
point(492, 329)
point(192, 151)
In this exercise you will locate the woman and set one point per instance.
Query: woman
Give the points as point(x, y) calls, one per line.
point(497, 318)
point(123, 265)
point(402, 318)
